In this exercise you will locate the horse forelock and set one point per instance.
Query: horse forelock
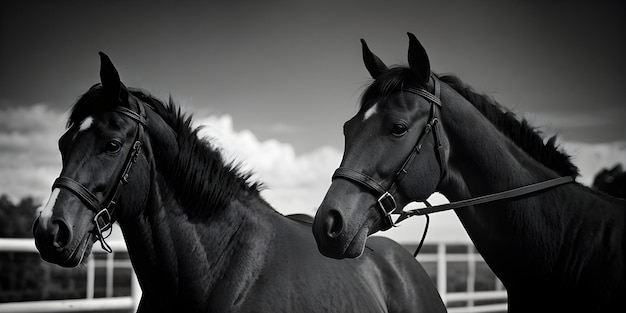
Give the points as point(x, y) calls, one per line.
point(89, 103)
point(390, 81)
point(200, 178)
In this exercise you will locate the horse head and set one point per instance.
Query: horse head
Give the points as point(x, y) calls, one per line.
point(606, 176)
point(104, 175)
point(396, 132)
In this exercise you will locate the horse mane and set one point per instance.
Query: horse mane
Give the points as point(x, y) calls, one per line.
point(526, 137)
point(198, 175)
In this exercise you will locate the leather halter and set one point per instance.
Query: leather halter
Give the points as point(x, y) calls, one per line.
point(386, 202)
point(104, 209)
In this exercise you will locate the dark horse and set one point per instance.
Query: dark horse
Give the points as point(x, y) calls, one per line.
point(199, 235)
point(560, 249)
point(612, 182)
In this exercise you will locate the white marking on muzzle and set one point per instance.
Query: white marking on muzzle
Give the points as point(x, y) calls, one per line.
point(46, 213)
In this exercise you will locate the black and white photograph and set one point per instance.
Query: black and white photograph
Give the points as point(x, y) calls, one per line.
point(318, 156)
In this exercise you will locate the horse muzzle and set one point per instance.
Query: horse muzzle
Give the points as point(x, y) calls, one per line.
point(334, 238)
point(58, 244)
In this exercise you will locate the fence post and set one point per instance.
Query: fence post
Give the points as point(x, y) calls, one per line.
point(135, 291)
point(471, 274)
point(109, 268)
point(442, 271)
point(91, 276)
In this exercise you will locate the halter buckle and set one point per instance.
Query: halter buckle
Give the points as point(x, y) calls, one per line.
point(387, 203)
point(102, 221)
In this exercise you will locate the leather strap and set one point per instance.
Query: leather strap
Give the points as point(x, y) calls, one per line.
point(425, 94)
point(132, 114)
point(358, 177)
point(503, 195)
point(80, 191)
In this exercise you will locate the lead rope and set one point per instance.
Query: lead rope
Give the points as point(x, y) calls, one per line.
point(419, 246)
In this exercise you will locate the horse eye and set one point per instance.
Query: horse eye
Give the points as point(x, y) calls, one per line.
point(399, 130)
point(113, 146)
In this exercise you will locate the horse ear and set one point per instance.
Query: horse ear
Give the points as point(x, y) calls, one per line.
point(111, 84)
point(418, 59)
point(373, 64)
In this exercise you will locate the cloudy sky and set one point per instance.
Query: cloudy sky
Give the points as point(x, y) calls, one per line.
point(283, 76)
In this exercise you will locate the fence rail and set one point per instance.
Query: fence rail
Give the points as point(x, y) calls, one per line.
point(471, 300)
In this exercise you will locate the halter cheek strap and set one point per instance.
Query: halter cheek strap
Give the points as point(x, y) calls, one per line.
point(103, 220)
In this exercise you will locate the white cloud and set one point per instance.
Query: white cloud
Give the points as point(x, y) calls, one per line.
point(296, 184)
point(29, 158)
point(591, 158)
point(28, 119)
point(561, 121)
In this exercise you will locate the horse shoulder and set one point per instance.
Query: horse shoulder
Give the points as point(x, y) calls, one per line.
point(405, 279)
point(295, 272)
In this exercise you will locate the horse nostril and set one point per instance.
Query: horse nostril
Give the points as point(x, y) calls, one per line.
point(62, 235)
point(334, 224)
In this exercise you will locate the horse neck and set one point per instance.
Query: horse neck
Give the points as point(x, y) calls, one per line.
point(181, 261)
point(483, 161)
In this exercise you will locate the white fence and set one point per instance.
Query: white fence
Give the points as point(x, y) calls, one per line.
point(470, 299)
point(470, 296)
point(89, 302)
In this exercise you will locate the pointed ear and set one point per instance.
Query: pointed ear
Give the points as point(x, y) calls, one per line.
point(111, 84)
point(373, 64)
point(418, 59)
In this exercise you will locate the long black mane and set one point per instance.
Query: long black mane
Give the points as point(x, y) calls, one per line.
point(528, 138)
point(198, 175)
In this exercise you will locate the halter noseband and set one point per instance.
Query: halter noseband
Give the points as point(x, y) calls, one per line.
point(104, 210)
point(386, 202)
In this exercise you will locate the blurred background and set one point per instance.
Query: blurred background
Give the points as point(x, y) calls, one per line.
point(273, 83)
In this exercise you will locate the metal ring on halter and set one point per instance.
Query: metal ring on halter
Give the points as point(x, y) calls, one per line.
point(105, 217)
point(387, 204)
